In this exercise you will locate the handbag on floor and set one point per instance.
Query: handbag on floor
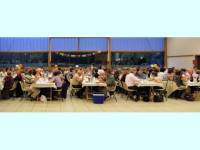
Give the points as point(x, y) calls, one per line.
point(158, 98)
point(197, 96)
point(189, 97)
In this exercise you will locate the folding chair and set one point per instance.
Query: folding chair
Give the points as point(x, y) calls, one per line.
point(112, 90)
point(128, 91)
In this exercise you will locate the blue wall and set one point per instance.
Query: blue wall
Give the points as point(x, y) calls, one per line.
point(23, 44)
point(93, 43)
point(57, 44)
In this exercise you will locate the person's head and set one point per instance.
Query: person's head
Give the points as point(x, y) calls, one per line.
point(7, 69)
point(154, 73)
point(162, 69)
point(18, 71)
point(170, 70)
point(79, 72)
point(178, 72)
point(139, 71)
point(56, 73)
point(195, 68)
point(34, 72)
point(109, 71)
point(190, 71)
point(126, 71)
point(133, 70)
point(9, 73)
point(71, 69)
point(55, 66)
point(30, 71)
point(183, 70)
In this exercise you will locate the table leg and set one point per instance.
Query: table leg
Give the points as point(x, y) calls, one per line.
point(50, 94)
point(151, 93)
point(86, 93)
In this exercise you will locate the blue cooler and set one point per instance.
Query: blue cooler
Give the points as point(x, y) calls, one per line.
point(98, 98)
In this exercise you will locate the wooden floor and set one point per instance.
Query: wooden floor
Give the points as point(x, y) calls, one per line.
point(79, 105)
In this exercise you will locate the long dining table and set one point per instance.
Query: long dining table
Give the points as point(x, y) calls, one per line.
point(45, 84)
point(151, 85)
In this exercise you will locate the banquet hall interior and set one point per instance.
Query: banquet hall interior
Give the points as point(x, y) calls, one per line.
point(99, 74)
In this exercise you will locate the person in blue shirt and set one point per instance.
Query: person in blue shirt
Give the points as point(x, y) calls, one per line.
point(140, 74)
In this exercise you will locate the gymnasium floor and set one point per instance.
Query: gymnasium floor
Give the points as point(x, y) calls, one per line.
point(78, 105)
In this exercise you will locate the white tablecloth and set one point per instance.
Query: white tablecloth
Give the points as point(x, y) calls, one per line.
point(1, 84)
point(44, 85)
point(146, 83)
point(95, 82)
point(194, 84)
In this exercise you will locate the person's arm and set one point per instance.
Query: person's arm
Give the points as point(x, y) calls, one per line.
point(136, 80)
point(77, 78)
point(157, 79)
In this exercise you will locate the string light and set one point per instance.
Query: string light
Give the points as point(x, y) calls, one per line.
point(78, 55)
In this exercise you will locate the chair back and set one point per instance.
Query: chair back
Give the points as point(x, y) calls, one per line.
point(14, 86)
point(24, 86)
point(112, 88)
point(124, 86)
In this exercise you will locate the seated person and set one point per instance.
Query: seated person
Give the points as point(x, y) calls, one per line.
point(162, 75)
point(18, 79)
point(58, 81)
point(110, 79)
point(101, 70)
point(34, 92)
point(170, 74)
point(132, 81)
point(77, 82)
point(117, 74)
point(154, 77)
point(179, 79)
point(195, 75)
point(95, 73)
point(29, 77)
point(8, 83)
point(140, 74)
point(102, 77)
point(123, 76)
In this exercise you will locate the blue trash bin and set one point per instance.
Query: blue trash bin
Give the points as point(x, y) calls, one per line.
point(98, 98)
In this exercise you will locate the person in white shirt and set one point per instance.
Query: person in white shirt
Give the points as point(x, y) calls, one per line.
point(162, 75)
point(132, 81)
point(194, 74)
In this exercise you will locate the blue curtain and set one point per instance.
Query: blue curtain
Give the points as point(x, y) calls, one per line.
point(93, 43)
point(24, 44)
point(58, 44)
point(137, 44)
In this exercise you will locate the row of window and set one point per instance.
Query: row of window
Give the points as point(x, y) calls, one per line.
point(118, 59)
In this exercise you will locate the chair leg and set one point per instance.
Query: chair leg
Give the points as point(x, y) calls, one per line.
point(128, 96)
point(115, 97)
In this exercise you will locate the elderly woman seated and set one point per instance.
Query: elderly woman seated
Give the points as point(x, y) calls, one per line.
point(77, 82)
point(58, 81)
point(8, 83)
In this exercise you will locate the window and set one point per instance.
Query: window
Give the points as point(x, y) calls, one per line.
point(27, 59)
point(97, 59)
point(137, 59)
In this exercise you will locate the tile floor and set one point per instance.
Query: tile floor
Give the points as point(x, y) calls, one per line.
point(79, 105)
